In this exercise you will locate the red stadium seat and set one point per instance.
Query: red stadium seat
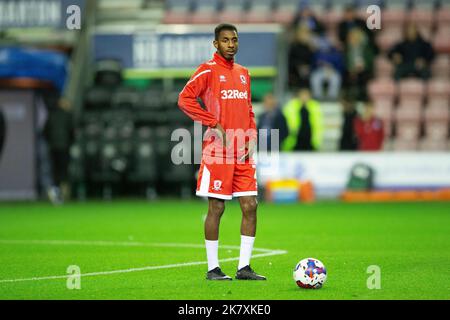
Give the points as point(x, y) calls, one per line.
point(437, 112)
point(438, 88)
point(405, 145)
point(422, 17)
point(405, 114)
point(383, 67)
point(388, 37)
point(176, 17)
point(429, 144)
point(411, 87)
point(441, 66)
point(394, 17)
point(441, 40)
point(410, 103)
point(384, 107)
point(260, 12)
point(443, 16)
point(233, 11)
point(382, 87)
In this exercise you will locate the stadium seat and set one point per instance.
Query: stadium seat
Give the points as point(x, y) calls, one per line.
point(441, 40)
point(285, 11)
point(404, 145)
point(443, 17)
point(410, 103)
point(440, 67)
point(381, 87)
point(384, 107)
point(98, 98)
point(152, 99)
point(393, 18)
point(436, 129)
point(388, 37)
point(177, 11)
point(437, 112)
point(108, 73)
point(430, 144)
point(422, 17)
point(233, 11)
point(405, 114)
point(438, 88)
point(205, 11)
point(383, 67)
point(126, 98)
point(144, 162)
point(260, 11)
point(411, 87)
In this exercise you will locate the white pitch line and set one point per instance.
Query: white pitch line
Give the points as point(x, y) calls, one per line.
point(120, 243)
point(266, 253)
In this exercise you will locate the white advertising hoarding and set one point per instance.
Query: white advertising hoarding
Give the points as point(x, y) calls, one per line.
point(330, 172)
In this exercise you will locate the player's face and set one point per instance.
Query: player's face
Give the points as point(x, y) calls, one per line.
point(227, 44)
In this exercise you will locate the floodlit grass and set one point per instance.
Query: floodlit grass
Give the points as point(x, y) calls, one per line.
point(410, 242)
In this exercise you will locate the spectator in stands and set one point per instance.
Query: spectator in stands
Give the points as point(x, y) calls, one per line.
point(300, 58)
point(348, 140)
point(60, 137)
point(304, 121)
point(412, 56)
point(359, 57)
point(328, 67)
point(2, 131)
point(369, 130)
point(350, 21)
point(45, 167)
point(272, 118)
point(305, 17)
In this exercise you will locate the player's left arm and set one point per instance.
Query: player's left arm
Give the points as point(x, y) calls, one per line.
point(250, 146)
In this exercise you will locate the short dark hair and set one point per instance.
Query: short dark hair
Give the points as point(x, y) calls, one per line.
point(221, 27)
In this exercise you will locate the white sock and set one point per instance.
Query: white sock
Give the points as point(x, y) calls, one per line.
point(212, 252)
point(246, 251)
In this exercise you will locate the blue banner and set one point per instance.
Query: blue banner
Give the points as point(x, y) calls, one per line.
point(170, 50)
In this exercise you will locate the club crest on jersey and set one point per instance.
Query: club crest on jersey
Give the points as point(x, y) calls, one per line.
point(243, 80)
point(222, 78)
point(217, 186)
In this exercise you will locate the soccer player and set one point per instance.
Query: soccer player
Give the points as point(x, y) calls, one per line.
point(227, 169)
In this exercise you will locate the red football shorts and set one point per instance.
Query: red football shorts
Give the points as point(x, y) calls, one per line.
point(226, 180)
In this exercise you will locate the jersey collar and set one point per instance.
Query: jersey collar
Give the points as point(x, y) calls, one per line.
point(222, 61)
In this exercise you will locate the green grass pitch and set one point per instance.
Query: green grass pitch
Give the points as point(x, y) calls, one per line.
point(144, 243)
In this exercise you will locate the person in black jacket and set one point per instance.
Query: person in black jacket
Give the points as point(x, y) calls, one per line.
point(300, 58)
point(306, 17)
point(348, 140)
point(412, 56)
point(351, 20)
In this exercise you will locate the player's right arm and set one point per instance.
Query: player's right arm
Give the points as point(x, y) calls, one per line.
point(187, 100)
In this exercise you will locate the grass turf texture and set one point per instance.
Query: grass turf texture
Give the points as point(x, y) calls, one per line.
point(410, 242)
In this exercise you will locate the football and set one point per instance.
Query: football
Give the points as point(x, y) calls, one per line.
point(310, 273)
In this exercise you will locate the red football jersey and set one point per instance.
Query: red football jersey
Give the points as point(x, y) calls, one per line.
point(224, 88)
point(370, 133)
